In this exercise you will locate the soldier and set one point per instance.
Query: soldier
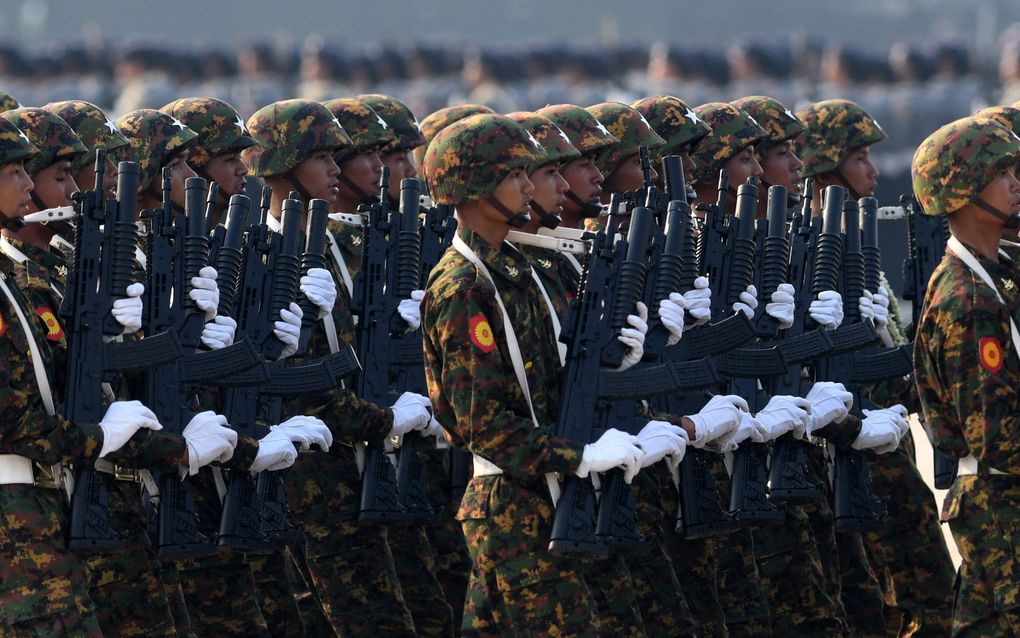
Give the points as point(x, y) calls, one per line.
point(96, 131)
point(437, 121)
point(965, 359)
point(678, 125)
point(398, 155)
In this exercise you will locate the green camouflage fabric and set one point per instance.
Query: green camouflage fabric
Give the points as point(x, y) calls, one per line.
point(630, 127)
point(92, 127)
point(733, 130)
point(402, 122)
point(288, 132)
point(221, 597)
point(468, 159)
point(219, 127)
point(834, 129)
point(154, 139)
point(415, 563)
point(860, 591)
point(587, 134)
point(435, 122)
point(276, 588)
point(954, 164)
point(674, 121)
point(8, 102)
point(1008, 116)
point(517, 587)
point(14, 144)
point(367, 130)
point(50, 134)
point(555, 142)
point(773, 116)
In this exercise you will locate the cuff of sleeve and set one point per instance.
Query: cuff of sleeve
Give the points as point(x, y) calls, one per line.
point(564, 455)
point(244, 454)
point(842, 435)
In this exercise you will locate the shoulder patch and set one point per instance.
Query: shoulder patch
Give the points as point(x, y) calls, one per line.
point(990, 354)
point(481, 333)
point(53, 330)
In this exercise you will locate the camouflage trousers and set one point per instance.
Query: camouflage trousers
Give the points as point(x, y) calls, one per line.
point(274, 582)
point(221, 597)
point(917, 576)
point(42, 588)
point(517, 587)
point(129, 594)
point(984, 516)
point(416, 570)
point(609, 581)
point(453, 565)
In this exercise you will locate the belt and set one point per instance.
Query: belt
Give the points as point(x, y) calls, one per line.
point(969, 466)
point(119, 472)
point(484, 467)
point(18, 470)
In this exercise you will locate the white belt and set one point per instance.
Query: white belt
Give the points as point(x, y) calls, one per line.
point(484, 467)
point(16, 469)
point(969, 467)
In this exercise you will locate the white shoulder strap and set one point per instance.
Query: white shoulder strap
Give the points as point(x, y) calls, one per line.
point(334, 249)
point(560, 346)
point(958, 249)
point(41, 378)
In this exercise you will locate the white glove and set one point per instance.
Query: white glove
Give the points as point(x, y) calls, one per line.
point(720, 416)
point(410, 412)
point(434, 429)
point(218, 333)
point(880, 431)
point(784, 414)
point(749, 429)
point(306, 431)
point(128, 311)
point(121, 421)
point(288, 329)
point(204, 292)
point(782, 306)
point(659, 439)
point(699, 301)
point(410, 310)
point(613, 449)
point(881, 301)
point(634, 337)
point(898, 412)
point(827, 309)
point(866, 307)
point(319, 287)
point(748, 302)
point(276, 452)
point(830, 403)
point(209, 439)
point(671, 314)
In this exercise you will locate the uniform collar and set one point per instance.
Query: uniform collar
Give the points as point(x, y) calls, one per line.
point(504, 259)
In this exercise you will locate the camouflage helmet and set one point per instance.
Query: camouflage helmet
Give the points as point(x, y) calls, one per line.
point(154, 139)
point(586, 133)
point(773, 116)
point(442, 118)
point(92, 126)
point(627, 125)
point(287, 133)
point(554, 142)
point(14, 144)
point(8, 102)
point(367, 130)
point(955, 163)
point(674, 121)
point(733, 130)
point(401, 120)
point(51, 135)
point(1005, 115)
point(470, 158)
point(219, 127)
point(834, 129)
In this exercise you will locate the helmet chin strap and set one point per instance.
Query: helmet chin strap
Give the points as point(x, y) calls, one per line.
point(547, 219)
point(791, 199)
point(589, 209)
point(1011, 221)
point(298, 186)
point(220, 194)
point(516, 220)
point(363, 197)
point(846, 184)
point(12, 224)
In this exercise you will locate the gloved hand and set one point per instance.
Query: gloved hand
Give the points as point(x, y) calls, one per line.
point(128, 310)
point(121, 421)
point(634, 337)
point(830, 403)
point(881, 301)
point(204, 292)
point(209, 439)
point(898, 412)
point(698, 301)
point(276, 452)
point(306, 431)
point(659, 439)
point(720, 416)
point(613, 449)
point(671, 314)
point(410, 310)
point(866, 306)
point(288, 329)
point(748, 302)
point(880, 431)
point(218, 333)
point(319, 287)
point(784, 414)
point(410, 412)
point(782, 306)
point(749, 429)
point(434, 429)
point(827, 309)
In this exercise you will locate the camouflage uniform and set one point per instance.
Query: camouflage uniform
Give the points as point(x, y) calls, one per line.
point(435, 122)
point(966, 369)
point(7, 102)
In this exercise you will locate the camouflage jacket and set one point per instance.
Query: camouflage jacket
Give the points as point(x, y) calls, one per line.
point(965, 366)
point(557, 275)
point(472, 385)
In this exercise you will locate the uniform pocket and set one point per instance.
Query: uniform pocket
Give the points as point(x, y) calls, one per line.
point(475, 503)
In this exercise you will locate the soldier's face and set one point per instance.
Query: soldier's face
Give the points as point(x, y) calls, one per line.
point(227, 170)
point(782, 167)
point(515, 192)
point(54, 185)
point(319, 175)
point(584, 179)
point(628, 176)
point(550, 188)
point(859, 172)
point(15, 189)
point(86, 177)
point(364, 170)
point(179, 173)
point(401, 166)
point(743, 165)
point(1003, 193)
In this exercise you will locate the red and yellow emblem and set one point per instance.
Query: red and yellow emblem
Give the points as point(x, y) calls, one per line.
point(481, 333)
point(53, 330)
point(990, 354)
